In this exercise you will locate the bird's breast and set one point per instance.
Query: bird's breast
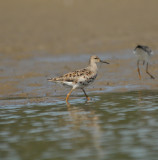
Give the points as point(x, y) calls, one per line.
point(86, 80)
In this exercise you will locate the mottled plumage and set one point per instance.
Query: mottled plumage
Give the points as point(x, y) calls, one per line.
point(143, 54)
point(80, 78)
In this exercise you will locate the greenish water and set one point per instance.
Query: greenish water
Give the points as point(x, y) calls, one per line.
point(116, 126)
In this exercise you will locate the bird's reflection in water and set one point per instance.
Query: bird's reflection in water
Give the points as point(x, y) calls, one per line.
point(86, 120)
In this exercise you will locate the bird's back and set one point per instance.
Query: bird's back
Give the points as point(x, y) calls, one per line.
point(143, 52)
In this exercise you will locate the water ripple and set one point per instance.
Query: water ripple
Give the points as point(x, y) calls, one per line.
point(110, 125)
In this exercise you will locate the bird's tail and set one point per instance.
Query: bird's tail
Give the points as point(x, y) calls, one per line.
point(51, 79)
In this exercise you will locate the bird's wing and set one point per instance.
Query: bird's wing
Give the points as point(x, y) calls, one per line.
point(72, 76)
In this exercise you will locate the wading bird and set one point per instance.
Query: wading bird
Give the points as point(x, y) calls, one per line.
point(80, 78)
point(143, 54)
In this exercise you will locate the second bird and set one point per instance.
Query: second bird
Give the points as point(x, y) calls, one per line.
point(143, 54)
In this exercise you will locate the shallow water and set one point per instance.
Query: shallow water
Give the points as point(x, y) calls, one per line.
point(112, 126)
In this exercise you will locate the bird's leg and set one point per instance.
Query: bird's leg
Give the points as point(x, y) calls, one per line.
point(68, 96)
point(138, 69)
point(86, 94)
point(148, 72)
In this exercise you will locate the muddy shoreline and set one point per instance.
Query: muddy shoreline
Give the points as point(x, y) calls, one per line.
point(27, 77)
point(40, 39)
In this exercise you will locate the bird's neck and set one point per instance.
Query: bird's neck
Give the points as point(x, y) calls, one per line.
point(93, 67)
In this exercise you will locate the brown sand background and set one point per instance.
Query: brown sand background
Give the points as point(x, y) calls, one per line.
point(34, 32)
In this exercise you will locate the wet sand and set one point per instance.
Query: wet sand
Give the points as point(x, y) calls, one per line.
point(48, 38)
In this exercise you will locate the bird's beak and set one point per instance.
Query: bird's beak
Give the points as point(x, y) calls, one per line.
point(104, 62)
